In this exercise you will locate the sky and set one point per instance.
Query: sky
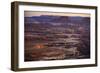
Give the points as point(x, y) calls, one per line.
point(35, 13)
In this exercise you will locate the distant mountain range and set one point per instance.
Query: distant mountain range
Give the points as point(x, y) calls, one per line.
point(58, 19)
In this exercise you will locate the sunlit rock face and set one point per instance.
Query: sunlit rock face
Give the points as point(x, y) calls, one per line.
point(39, 46)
